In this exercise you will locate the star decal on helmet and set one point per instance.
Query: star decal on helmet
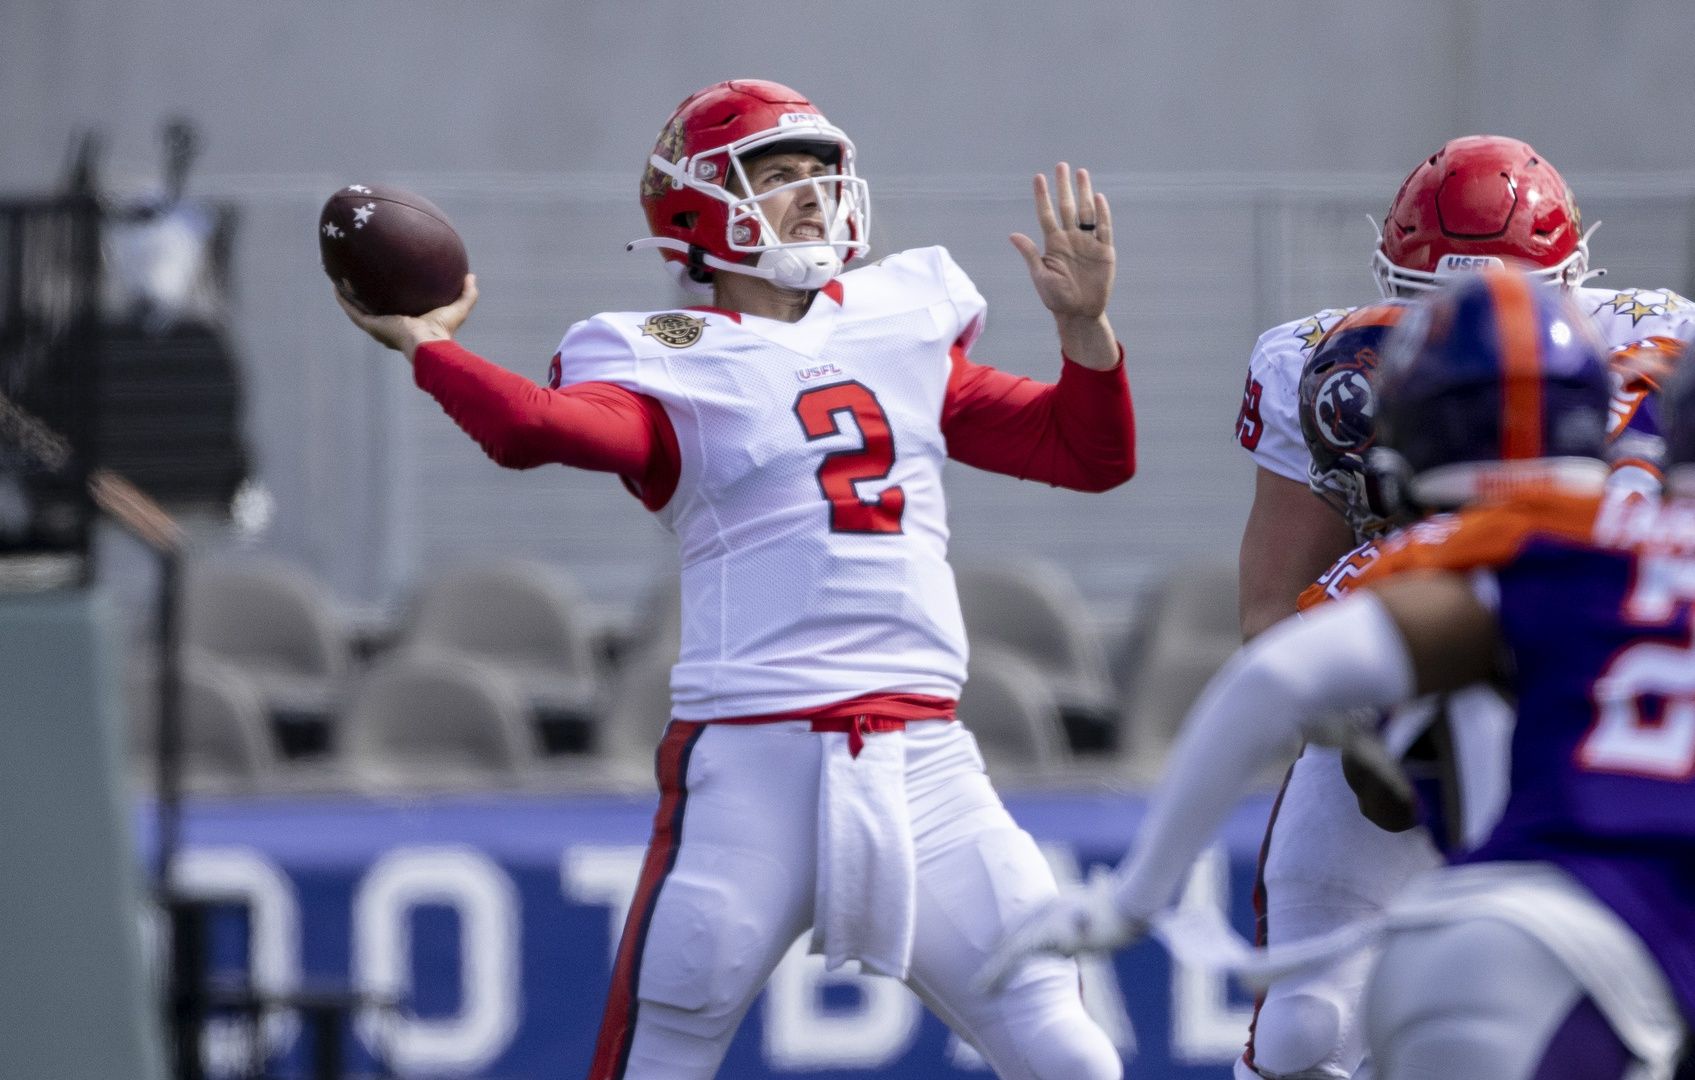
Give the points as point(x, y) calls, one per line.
point(670, 147)
point(1311, 330)
point(1641, 303)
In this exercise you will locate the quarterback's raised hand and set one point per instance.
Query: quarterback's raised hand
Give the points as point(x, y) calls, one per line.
point(1082, 918)
point(1073, 269)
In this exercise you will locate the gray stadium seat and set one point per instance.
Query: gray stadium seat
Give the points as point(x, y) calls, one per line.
point(1034, 609)
point(434, 721)
point(226, 745)
point(524, 618)
point(1134, 639)
point(282, 629)
point(639, 701)
point(638, 692)
point(1008, 706)
point(1194, 632)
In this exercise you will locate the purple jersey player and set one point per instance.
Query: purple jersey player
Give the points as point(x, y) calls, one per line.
point(1563, 944)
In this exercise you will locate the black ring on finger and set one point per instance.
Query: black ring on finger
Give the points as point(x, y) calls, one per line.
point(1086, 226)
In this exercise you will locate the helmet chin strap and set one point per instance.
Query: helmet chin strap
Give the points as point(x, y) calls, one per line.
point(805, 268)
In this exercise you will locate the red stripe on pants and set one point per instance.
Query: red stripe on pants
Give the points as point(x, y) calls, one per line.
point(618, 1024)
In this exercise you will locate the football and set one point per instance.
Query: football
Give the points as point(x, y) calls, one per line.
point(389, 251)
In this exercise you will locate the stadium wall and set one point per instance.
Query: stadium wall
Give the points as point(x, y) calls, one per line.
point(1243, 144)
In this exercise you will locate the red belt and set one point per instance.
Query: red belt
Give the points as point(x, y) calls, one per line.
point(858, 717)
point(857, 727)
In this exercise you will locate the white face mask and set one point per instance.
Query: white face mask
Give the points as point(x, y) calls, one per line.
point(800, 264)
point(1393, 280)
point(842, 196)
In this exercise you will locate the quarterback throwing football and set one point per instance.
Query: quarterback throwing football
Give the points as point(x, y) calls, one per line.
point(792, 435)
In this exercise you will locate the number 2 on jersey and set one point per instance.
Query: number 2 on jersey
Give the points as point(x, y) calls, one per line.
point(1628, 736)
point(819, 410)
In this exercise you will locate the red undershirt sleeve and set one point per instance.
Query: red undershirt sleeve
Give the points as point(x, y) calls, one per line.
point(1078, 433)
point(591, 425)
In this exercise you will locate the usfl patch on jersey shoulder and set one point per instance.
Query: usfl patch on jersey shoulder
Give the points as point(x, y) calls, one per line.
point(674, 329)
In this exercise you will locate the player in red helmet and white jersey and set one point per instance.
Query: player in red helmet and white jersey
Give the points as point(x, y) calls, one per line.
point(792, 436)
point(1306, 1025)
point(1478, 202)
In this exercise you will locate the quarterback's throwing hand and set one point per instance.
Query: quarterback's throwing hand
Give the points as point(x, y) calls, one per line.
point(404, 333)
point(1082, 918)
point(1073, 269)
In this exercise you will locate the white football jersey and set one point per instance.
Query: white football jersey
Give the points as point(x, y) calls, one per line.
point(809, 508)
point(1269, 424)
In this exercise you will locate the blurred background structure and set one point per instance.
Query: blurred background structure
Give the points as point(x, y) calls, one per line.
point(1243, 146)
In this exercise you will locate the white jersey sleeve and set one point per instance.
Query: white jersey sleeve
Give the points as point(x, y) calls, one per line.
point(1626, 315)
point(1268, 426)
point(970, 309)
point(595, 350)
point(1623, 316)
point(957, 308)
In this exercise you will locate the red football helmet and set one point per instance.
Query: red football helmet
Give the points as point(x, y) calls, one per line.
point(1481, 200)
point(703, 225)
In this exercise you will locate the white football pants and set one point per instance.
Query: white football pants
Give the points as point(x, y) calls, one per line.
point(1513, 970)
point(728, 885)
point(1484, 1000)
point(1325, 865)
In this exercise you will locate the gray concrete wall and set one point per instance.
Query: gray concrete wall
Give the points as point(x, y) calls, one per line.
point(1135, 85)
point(1242, 143)
point(77, 1001)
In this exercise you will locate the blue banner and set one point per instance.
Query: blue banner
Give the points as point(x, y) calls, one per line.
point(490, 923)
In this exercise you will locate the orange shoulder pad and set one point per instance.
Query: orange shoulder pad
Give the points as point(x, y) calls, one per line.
point(1482, 537)
point(1648, 362)
point(1340, 579)
point(1639, 369)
